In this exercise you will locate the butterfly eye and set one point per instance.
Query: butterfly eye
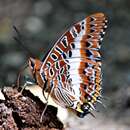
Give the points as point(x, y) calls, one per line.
point(32, 64)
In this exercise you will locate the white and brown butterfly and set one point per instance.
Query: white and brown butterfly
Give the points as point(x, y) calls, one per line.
point(71, 71)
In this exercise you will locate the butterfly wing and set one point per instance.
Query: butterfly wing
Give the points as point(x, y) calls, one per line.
point(73, 66)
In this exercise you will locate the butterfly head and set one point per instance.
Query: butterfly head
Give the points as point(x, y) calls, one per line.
point(35, 66)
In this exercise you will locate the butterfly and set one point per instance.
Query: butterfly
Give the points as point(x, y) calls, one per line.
point(71, 71)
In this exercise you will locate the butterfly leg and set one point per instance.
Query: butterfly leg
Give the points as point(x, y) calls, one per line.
point(20, 93)
point(43, 111)
point(46, 98)
point(28, 81)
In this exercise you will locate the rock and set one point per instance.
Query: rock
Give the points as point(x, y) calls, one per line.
point(23, 111)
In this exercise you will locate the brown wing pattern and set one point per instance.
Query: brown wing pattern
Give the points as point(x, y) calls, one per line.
point(73, 66)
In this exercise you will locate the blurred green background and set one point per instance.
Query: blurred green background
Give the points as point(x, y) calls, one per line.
point(42, 22)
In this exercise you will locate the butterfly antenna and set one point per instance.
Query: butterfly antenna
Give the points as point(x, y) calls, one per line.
point(18, 39)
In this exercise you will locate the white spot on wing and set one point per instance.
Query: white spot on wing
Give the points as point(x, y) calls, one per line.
point(75, 53)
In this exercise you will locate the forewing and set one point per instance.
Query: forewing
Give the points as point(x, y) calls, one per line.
point(74, 63)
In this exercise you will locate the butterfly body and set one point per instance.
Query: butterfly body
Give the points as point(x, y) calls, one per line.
point(71, 72)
